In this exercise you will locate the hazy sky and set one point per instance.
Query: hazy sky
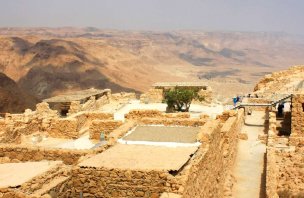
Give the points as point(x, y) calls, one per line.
point(232, 15)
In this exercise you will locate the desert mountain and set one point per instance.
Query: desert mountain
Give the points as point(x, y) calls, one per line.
point(12, 98)
point(48, 61)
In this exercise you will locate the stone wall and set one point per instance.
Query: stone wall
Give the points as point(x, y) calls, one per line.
point(256, 101)
point(139, 114)
point(173, 121)
point(103, 182)
point(85, 118)
point(105, 126)
point(297, 115)
point(27, 123)
point(63, 128)
point(30, 153)
point(284, 172)
point(284, 169)
point(211, 167)
point(120, 131)
point(47, 121)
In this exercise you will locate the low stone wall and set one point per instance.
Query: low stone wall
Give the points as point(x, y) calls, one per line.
point(225, 115)
point(271, 175)
point(27, 153)
point(64, 128)
point(139, 114)
point(211, 167)
point(103, 182)
point(173, 121)
point(120, 131)
point(85, 118)
point(105, 126)
point(256, 101)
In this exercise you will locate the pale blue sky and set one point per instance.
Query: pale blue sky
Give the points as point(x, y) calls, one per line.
point(231, 15)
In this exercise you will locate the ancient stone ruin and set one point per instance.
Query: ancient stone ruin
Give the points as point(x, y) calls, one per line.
point(93, 143)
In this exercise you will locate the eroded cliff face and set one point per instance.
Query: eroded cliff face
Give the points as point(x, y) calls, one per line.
point(12, 98)
point(282, 82)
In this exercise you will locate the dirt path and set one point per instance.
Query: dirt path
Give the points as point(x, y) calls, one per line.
point(249, 167)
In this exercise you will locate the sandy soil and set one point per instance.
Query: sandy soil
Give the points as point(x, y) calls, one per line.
point(249, 167)
point(163, 134)
point(141, 157)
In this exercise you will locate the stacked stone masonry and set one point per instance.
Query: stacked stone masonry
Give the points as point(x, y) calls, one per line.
point(103, 126)
point(297, 122)
point(210, 170)
point(204, 175)
point(284, 169)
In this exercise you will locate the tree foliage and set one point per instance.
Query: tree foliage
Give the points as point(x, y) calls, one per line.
point(179, 99)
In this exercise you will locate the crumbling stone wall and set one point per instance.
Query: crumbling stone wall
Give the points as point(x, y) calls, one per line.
point(210, 169)
point(105, 126)
point(28, 123)
point(297, 115)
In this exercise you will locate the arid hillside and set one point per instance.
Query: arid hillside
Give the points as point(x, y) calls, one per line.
point(282, 82)
point(12, 98)
point(48, 61)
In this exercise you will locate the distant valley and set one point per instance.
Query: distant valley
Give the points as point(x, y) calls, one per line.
point(48, 61)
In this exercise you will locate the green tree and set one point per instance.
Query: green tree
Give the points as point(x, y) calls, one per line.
point(179, 99)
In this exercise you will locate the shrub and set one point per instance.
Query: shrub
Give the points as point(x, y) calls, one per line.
point(179, 99)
